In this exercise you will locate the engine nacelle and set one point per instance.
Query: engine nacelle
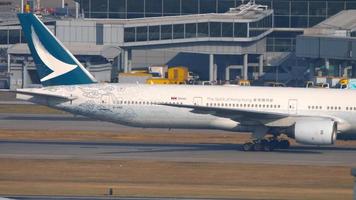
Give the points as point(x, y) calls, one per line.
point(315, 131)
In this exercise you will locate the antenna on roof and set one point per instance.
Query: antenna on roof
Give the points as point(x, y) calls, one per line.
point(249, 6)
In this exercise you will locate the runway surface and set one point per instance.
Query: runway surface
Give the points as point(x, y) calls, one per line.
point(217, 153)
point(100, 198)
point(55, 122)
point(220, 153)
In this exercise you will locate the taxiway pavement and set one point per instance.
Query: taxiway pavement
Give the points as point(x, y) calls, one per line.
point(216, 153)
point(102, 198)
point(220, 153)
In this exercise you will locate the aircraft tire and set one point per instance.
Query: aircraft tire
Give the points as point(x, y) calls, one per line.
point(267, 147)
point(248, 146)
point(258, 146)
point(284, 144)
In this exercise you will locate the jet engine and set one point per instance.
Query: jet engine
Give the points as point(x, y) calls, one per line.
point(315, 131)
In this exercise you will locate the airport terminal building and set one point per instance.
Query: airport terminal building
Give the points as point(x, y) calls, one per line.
point(218, 39)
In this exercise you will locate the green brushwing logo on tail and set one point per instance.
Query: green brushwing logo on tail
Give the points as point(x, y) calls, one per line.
point(55, 64)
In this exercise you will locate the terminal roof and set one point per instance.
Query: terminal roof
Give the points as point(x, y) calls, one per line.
point(76, 49)
point(248, 16)
point(344, 20)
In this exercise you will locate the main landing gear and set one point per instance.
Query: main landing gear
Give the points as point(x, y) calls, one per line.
point(267, 144)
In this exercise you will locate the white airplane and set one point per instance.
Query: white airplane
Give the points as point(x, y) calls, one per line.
point(311, 116)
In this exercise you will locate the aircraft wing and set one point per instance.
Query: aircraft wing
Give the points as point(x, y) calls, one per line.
point(271, 119)
point(234, 114)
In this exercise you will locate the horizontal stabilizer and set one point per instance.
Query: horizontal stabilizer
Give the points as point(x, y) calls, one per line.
point(43, 95)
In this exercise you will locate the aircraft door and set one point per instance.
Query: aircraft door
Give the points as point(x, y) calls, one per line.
point(108, 99)
point(292, 106)
point(105, 99)
point(198, 101)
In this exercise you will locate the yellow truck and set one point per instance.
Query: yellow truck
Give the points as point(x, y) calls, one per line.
point(176, 75)
point(344, 81)
point(134, 77)
point(244, 83)
point(158, 81)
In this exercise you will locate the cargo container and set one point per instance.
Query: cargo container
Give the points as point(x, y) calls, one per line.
point(134, 77)
point(158, 71)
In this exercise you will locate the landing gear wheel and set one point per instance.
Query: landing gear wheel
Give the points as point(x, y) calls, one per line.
point(274, 143)
point(258, 146)
point(267, 144)
point(267, 147)
point(248, 146)
point(284, 144)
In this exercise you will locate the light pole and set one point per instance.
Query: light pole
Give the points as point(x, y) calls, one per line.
point(22, 6)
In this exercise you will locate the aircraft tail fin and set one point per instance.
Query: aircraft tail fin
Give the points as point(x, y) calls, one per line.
point(55, 64)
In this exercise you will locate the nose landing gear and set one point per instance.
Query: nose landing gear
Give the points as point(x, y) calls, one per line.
point(266, 144)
